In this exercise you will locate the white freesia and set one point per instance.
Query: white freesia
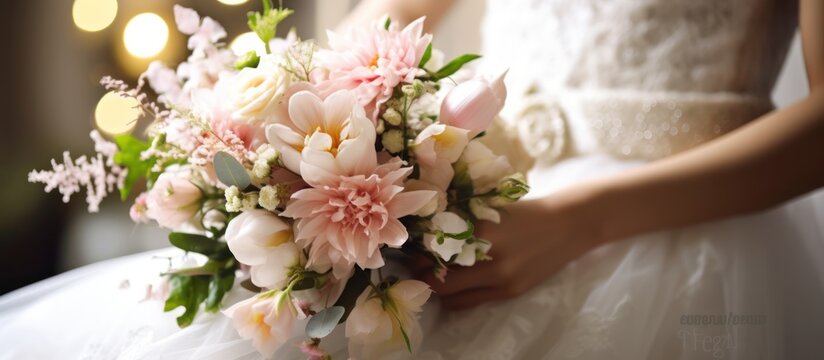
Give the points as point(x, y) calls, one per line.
point(483, 211)
point(484, 167)
point(267, 319)
point(436, 148)
point(472, 251)
point(254, 93)
point(263, 241)
point(446, 223)
point(378, 322)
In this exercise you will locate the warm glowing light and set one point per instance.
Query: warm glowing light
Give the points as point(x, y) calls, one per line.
point(246, 42)
point(232, 2)
point(146, 35)
point(94, 15)
point(115, 114)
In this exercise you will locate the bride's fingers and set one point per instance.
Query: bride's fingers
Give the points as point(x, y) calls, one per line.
point(471, 298)
point(482, 274)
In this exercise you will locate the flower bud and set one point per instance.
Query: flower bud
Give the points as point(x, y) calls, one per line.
point(473, 104)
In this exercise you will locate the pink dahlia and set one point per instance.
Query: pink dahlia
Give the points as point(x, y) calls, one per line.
point(372, 61)
point(344, 220)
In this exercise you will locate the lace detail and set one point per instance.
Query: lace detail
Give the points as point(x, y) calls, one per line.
point(697, 68)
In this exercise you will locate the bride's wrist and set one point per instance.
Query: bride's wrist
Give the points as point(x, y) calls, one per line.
point(579, 211)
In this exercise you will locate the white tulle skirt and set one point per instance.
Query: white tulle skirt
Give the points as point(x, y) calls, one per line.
point(749, 287)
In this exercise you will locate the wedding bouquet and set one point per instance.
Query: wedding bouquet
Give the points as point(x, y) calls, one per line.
point(297, 173)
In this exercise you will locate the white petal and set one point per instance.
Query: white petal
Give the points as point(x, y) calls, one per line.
point(450, 223)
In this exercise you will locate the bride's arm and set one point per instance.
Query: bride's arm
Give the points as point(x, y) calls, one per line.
point(402, 11)
point(769, 161)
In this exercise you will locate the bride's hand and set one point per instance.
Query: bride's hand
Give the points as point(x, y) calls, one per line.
point(535, 239)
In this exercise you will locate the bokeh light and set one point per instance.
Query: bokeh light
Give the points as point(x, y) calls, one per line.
point(246, 42)
point(94, 15)
point(146, 35)
point(232, 2)
point(116, 114)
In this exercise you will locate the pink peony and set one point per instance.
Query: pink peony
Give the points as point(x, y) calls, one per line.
point(346, 218)
point(372, 61)
point(473, 104)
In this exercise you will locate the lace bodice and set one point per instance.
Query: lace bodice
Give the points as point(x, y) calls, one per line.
point(636, 70)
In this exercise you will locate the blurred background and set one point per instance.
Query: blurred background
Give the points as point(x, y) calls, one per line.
point(56, 53)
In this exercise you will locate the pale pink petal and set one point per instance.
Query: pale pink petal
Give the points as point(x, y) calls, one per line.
point(188, 21)
point(409, 202)
point(394, 234)
point(306, 111)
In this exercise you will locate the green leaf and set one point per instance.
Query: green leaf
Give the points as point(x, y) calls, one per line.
point(454, 66)
point(194, 243)
point(323, 323)
point(387, 23)
point(426, 55)
point(128, 156)
point(218, 287)
point(188, 292)
point(230, 171)
point(354, 287)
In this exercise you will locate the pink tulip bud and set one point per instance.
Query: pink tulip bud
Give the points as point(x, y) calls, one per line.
point(473, 104)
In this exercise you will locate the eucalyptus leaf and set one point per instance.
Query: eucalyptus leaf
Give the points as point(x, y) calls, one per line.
point(454, 66)
point(323, 323)
point(230, 171)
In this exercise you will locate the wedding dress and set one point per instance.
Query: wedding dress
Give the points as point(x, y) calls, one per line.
point(595, 87)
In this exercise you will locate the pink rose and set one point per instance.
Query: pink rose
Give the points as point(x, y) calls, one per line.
point(174, 199)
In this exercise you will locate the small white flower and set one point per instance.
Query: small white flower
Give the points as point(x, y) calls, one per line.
point(483, 211)
point(392, 116)
point(485, 167)
point(472, 252)
point(446, 223)
point(233, 200)
point(392, 141)
point(269, 197)
point(249, 201)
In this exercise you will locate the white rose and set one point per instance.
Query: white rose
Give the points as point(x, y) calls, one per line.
point(254, 93)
